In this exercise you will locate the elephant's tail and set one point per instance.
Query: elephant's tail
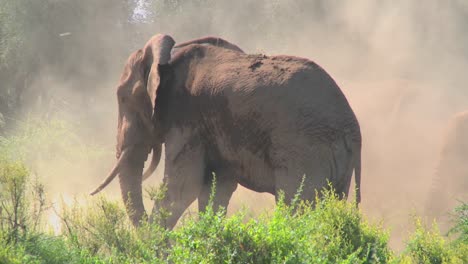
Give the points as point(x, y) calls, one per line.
point(350, 156)
point(353, 147)
point(357, 173)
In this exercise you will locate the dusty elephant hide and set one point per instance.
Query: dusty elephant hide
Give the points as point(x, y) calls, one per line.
point(263, 122)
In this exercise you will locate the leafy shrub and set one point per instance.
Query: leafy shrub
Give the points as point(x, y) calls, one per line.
point(18, 212)
point(461, 224)
point(22, 204)
point(328, 231)
point(428, 246)
point(102, 229)
point(332, 232)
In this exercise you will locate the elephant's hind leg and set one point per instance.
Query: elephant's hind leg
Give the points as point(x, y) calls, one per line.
point(225, 186)
point(312, 172)
point(341, 168)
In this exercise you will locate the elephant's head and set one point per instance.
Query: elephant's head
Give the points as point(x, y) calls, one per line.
point(136, 135)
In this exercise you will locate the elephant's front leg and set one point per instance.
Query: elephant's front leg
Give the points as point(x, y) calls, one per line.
point(225, 185)
point(183, 178)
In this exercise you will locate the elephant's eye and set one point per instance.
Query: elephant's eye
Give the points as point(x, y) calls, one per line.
point(122, 100)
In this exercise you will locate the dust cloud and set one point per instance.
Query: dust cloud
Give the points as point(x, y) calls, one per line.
point(401, 64)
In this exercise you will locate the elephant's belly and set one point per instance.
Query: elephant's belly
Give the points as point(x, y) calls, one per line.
point(255, 186)
point(255, 173)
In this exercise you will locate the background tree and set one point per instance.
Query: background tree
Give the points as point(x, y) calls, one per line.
point(72, 42)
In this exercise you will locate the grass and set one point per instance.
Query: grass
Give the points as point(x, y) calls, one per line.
point(331, 231)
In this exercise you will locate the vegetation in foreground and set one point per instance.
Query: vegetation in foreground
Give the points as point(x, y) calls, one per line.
point(332, 232)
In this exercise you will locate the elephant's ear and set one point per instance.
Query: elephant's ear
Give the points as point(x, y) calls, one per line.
point(156, 52)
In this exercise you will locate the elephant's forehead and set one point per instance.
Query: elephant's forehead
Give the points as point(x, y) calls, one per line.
point(132, 66)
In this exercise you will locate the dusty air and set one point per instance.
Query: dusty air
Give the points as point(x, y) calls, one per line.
point(154, 131)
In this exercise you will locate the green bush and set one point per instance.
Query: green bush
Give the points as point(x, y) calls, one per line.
point(427, 245)
point(22, 204)
point(328, 231)
point(332, 232)
point(461, 224)
point(102, 229)
point(14, 207)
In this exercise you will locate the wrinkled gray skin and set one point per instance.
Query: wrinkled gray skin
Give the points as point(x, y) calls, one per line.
point(262, 122)
point(450, 183)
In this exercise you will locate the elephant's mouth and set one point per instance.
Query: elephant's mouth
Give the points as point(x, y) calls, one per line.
point(114, 172)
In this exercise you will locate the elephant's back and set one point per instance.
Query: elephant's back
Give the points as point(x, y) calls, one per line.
point(272, 108)
point(279, 93)
point(294, 93)
point(294, 80)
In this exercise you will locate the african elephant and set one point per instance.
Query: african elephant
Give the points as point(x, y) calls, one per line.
point(450, 183)
point(262, 122)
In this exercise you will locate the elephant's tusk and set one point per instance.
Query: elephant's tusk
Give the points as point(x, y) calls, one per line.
point(112, 174)
point(153, 165)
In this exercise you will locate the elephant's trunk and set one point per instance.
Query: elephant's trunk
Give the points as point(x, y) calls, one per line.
point(130, 184)
point(129, 167)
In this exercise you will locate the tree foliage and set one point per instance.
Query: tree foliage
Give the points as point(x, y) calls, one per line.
point(72, 41)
